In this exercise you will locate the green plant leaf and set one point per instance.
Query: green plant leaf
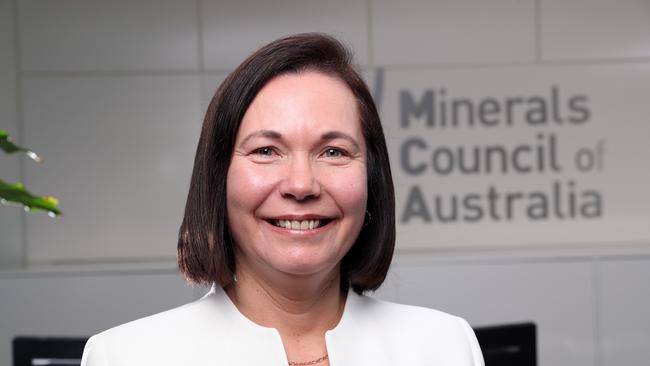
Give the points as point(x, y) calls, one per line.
point(9, 147)
point(17, 193)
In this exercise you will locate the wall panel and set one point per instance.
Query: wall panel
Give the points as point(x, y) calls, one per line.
point(232, 30)
point(600, 29)
point(59, 304)
point(557, 297)
point(417, 32)
point(624, 302)
point(11, 238)
point(120, 152)
point(77, 35)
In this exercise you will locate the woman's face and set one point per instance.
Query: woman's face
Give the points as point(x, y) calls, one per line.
point(296, 185)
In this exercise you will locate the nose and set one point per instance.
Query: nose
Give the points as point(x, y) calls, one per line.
point(300, 183)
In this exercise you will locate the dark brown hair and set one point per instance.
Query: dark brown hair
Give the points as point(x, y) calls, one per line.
point(205, 245)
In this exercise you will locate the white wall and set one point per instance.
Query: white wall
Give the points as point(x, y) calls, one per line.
point(112, 95)
point(11, 221)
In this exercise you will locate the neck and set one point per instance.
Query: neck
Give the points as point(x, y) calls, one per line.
point(294, 305)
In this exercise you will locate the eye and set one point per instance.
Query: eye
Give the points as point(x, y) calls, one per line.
point(332, 152)
point(264, 151)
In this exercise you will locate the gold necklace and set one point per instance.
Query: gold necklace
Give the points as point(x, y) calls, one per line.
point(312, 362)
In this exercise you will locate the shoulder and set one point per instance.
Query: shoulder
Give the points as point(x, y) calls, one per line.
point(168, 335)
point(183, 318)
point(390, 314)
point(417, 333)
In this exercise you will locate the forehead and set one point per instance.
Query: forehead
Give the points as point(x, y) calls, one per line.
point(302, 102)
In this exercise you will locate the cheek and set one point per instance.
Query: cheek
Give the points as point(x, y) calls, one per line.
point(246, 187)
point(349, 190)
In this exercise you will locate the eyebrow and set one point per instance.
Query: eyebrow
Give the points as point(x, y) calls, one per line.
point(340, 135)
point(262, 133)
point(274, 135)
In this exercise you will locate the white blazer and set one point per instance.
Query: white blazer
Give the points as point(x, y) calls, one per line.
point(211, 331)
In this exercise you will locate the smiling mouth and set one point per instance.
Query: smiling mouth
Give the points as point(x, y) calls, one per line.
point(300, 224)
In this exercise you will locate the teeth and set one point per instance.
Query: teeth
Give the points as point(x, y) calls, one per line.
point(298, 225)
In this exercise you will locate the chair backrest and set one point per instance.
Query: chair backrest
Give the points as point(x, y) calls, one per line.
point(508, 344)
point(50, 351)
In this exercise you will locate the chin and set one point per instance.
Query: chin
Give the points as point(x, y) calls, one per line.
point(305, 266)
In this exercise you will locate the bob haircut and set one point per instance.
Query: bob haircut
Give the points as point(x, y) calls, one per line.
point(206, 251)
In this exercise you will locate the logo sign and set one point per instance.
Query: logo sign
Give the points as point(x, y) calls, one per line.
point(537, 155)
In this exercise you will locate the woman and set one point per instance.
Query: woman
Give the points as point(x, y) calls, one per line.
point(291, 206)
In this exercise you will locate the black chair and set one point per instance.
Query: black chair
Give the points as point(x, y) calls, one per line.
point(48, 351)
point(508, 345)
